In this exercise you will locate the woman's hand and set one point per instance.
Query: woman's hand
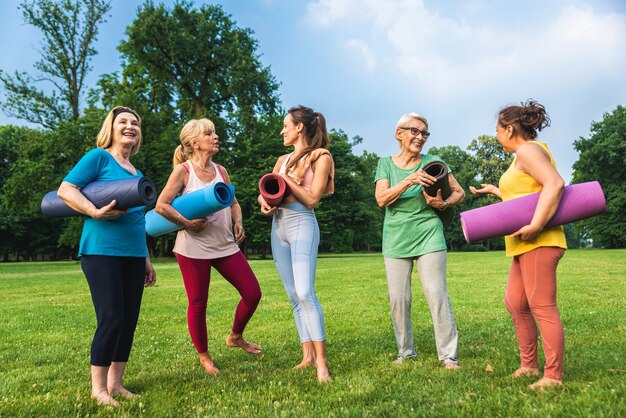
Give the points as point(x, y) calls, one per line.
point(527, 233)
point(436, 201)
point(196, 225)
point(150, 278)
point(486, 189)
point(266, 209)
point(240, 234)
point(108, 212)
point(420, 177)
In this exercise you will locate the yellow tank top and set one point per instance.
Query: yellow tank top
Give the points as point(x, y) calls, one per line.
point(515, 183)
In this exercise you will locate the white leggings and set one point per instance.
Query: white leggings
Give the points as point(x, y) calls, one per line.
point(295, 240)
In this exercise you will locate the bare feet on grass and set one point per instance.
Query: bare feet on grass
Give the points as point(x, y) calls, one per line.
point(123, 392)
point(207, 363)
point(323, 375)
point(104, 398)
point(236, 340)
point(545, 382)
point(451, 366)
point(306, 362)
point(525, 372)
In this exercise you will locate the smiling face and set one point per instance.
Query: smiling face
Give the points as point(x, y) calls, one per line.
point(408, 141)
point(290, 131)
point(503, 135)
point(126, 130)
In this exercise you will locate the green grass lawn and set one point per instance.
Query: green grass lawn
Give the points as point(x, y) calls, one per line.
point(47, 321)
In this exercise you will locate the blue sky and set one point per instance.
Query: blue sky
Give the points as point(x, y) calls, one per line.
point(364, 63)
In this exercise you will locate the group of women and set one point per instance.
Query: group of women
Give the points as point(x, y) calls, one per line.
point(115, 260)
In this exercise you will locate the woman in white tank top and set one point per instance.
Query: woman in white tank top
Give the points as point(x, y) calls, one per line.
point(208, 242)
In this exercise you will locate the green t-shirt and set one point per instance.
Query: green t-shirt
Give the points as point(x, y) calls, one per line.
point(411, 227)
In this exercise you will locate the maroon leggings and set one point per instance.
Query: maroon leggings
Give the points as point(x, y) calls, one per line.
point(197, 275)
point(530, 295)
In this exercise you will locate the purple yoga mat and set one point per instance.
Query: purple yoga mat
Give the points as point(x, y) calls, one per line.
point(579, 201)
point(273, 188)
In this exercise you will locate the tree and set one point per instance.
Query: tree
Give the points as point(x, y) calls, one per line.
point(602, 157)
point(69, 29)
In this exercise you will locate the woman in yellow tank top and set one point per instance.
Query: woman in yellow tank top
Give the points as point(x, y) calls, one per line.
point(536, 251)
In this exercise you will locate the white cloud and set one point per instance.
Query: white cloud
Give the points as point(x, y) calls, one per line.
point(363, 52)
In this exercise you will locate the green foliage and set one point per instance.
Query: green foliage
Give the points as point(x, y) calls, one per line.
point(48, 321)
point(489, 158)
point(603, 158)
point(69, 29)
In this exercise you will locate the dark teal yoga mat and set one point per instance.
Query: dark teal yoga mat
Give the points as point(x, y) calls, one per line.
point(129, 193)
point(197, 204)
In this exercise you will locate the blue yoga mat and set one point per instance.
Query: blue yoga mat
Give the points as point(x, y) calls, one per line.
point(197, 204)
point(129, 193)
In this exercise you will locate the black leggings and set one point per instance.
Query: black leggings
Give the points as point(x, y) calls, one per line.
point(116, 285)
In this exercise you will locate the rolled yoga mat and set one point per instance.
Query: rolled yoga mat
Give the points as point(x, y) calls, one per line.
point(129, 193)
point(194, 205)
point(439, 170)
point(579, 201)
point(273, 188)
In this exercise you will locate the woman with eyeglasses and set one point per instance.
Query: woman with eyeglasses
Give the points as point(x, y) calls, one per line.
point(412, 231)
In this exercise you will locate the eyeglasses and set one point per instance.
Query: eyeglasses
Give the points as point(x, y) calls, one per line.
point(416, 132)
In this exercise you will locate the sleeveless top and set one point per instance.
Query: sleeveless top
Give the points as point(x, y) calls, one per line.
point(216, 239)
point(307, 179)
point(515, 183)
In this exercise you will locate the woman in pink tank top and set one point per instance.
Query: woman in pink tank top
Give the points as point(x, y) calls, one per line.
point(208, 242)
point(309, 171)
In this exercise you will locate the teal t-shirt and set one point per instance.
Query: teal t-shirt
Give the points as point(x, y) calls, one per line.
point(411, 227)
point(124, 236)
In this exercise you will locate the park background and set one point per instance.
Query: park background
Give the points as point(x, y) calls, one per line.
point(362, 64)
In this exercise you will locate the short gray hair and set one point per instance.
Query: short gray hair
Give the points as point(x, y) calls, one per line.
point(404, 119)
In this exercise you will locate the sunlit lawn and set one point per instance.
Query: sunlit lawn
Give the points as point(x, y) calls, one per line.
point(47, 321)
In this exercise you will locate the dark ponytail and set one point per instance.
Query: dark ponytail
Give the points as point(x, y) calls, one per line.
point(526, 119)
point(315, 131)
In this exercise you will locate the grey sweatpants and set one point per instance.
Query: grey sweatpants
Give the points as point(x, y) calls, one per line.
point(432, 272)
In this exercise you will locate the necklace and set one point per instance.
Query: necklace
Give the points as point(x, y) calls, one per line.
point(209, 171)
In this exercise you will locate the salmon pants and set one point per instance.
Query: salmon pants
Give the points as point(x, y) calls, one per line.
point(531, 295)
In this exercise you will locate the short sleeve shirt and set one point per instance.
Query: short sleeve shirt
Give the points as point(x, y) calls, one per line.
point(124, 236)
point(411, 227)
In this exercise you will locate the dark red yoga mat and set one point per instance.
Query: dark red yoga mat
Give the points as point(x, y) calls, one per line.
point(273, 188)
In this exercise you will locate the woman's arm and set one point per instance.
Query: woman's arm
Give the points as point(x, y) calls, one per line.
point(321, 169)
point(73, 198)
point(533, 160)
point(235, 211)
point(175, 184)
point(386, 195)
point(486, 189)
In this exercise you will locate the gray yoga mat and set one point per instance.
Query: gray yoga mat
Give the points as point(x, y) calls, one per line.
point(129, 193)
point(438, 170)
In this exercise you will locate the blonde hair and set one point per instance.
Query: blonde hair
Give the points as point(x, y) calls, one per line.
point(192, 130)
point(104, 139)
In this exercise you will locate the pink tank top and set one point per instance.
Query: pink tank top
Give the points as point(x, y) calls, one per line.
point(308, 174)
point(216, 239)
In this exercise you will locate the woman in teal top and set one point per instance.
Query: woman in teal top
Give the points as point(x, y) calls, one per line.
point(113, 251)
point(413, 231)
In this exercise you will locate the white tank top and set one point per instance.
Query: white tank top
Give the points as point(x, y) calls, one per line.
point(216, 239)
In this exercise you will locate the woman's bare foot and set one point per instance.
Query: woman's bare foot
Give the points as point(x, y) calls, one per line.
point(123, 392)
point(545, 382)
point(104, 398)
point(525, 372)
point(451, 366)
point(306, 362)
point(323, 375)
point(207, 363)
point(236, 340)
